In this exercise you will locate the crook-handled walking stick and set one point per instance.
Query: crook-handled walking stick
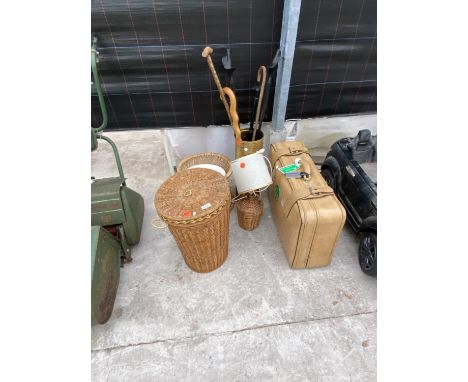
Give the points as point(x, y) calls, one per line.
point(261, 77)
point(270, 86)
point(233, 114)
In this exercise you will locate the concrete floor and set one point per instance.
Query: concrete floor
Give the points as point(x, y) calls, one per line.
point(253, 319)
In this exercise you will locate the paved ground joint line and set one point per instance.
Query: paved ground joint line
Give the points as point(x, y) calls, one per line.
point(228, 332)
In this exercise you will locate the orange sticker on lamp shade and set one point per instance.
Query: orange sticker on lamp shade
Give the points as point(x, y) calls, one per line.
point(242, 165)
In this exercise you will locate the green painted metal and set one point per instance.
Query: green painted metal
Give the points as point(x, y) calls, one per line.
point(116, 155)
point(127, 254)
point(113, 203)
point(105, 274)
point(106, 204)
point(134, 207)
point(94, 143)
point(97, 81)
point(120, 210)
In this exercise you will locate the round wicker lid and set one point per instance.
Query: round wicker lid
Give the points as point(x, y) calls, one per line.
point(191, 194)
point(207, 158)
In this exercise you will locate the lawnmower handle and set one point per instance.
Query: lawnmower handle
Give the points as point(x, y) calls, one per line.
point(97, 82)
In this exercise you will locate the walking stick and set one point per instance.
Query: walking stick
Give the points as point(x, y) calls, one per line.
point(254, 110)
point(206, 54)
point(261, 75)
point(233, 113)
point(270, 84)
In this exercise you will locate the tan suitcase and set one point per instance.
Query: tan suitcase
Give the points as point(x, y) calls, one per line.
point(307, 213)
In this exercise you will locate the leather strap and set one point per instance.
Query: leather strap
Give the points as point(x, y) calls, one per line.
point(308, 192)
point(305, 193)
point(290, 151)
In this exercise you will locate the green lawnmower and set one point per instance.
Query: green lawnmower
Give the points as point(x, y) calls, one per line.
point(116, 221)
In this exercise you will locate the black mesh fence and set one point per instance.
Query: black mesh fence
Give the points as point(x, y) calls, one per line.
point(153, 74)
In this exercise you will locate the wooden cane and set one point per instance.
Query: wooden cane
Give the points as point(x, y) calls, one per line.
point(261, 75)
point(233, 113)
point(206, 54)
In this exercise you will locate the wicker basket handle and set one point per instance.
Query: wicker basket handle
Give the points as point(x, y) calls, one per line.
point(158, 224)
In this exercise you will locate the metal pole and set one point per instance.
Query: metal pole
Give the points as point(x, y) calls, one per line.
point(169, 152)
point(291, 12)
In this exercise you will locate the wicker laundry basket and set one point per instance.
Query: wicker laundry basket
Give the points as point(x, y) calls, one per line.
point(249, 211)
point(246, 146)
point(211, 158)
point(195, 205)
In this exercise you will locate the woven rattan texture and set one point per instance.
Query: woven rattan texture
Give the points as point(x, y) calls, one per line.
point(207, 158)
point(191, 195)
point(249, 212)
point(252, 147)
point(201, 237)
point(204, 246)
point(211, 158)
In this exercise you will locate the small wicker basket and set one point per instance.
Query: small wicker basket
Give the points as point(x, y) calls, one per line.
point(247, 147)
point(249, 211)
point(195, 205)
